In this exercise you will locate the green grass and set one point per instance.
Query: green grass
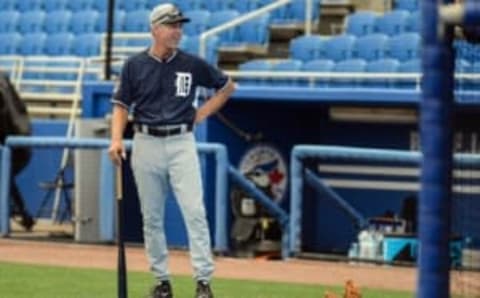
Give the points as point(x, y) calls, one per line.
point(22, 281)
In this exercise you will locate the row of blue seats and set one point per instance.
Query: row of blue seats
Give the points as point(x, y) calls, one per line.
point(88, 21)
point(410, 5)
point(212, 5)
point(292, 11)
point(402, 47)
point(391, 23)
point(386, 65)
point(85, 45)
point(80, 5)
point(40, 43)
point(60, 21)
point(467, 51)
point(92, 21)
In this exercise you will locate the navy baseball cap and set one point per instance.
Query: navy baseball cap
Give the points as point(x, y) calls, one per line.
point(167, 14)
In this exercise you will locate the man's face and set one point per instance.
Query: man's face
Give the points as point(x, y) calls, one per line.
point(168, 35)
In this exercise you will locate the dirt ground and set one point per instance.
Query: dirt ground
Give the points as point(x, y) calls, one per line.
point(294, 270)
point(68, 253)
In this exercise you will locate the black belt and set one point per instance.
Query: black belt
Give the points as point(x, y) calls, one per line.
point(163, 131)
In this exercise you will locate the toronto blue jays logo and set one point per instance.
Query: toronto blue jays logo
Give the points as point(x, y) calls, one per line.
point(265, 166)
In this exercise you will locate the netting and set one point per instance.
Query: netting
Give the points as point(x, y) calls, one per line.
point(465, 275)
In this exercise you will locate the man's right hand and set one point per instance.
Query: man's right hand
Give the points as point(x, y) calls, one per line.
point(117, 152)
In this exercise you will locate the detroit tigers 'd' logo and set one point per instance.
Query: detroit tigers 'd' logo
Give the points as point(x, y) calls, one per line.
point(183, 84)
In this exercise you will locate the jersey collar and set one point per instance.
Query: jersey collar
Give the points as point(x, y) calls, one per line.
point(174, 54)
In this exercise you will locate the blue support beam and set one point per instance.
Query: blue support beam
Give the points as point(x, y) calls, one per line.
point(267, 202)
point(328, 193)
point(436, 134)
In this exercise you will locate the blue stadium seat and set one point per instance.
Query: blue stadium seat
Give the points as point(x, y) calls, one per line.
point(51, 5)
point(31, 21)
point(219, 5)
point(383, 65)
point(83, 21)
point(87, 44)
point(349, 65)
point(307, 47)
point(102, 5)
point(81, 5)
point(339, 47)
point(476, 53)
point(409, 66)
point(199, 21)
point(137, 21)
point(371, 47)
point(393, 22)
point(413, 65)
point(186, 5)
point(131, 5)
point(279, 15)
point(247, 5)
point(410, 5)
point(192, 44)
point(254, 32)
point(286, 65)
point(294, 12)
point(10, 42)
point(414, 22)
point(318, 65)
point(387, 65)
point(32, 44)
point(462, 65)
point(58, 21)
point(405, 46)
point(118, 21)
point(59, 44)
point(361, 23)
point(9, 21)
point(220, 17)
point(475, 67)
point(254, 65)
point(466, 50)
point(6, 5)
point(470, 84)
point(26, 5)
point(183, 42)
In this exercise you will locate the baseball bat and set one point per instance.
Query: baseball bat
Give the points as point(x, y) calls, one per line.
point(121, 264)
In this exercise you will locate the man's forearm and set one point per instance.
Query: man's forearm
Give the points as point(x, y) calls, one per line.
point(119, 122)
point(215, 102)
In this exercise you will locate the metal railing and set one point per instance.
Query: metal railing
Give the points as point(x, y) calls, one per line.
point(51, 86)
point(120, 47)
point(354, 76)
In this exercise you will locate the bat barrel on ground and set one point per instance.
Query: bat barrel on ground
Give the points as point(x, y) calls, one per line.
point(121, 264)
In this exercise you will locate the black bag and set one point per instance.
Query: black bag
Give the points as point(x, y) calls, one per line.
point(14, 120)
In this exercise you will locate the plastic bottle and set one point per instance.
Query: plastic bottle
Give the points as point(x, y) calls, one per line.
point(364, 242)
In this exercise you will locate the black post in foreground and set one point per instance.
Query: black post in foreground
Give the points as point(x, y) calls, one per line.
point(121, 265)
point(108, 41)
